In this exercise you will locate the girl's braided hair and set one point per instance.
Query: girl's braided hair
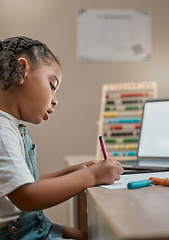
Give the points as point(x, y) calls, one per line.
point(11, 49)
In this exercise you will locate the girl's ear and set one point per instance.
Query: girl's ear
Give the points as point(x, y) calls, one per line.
point(25, 67)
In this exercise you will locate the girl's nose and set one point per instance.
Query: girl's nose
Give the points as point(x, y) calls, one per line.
point(54, 101)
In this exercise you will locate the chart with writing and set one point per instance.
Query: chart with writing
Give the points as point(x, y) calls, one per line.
point(120, 117)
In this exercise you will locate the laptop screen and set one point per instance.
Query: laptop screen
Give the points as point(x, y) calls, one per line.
point(154, 134)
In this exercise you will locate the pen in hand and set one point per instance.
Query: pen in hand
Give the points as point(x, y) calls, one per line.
point(103, 147)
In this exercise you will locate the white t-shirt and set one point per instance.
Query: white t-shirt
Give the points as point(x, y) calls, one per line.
point(14, 171)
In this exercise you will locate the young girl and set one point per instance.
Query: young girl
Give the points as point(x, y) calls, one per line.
point(30, 76)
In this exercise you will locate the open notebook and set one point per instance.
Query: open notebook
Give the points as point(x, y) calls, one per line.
point(153, 147)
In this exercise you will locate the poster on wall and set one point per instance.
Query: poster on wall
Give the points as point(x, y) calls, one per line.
point(114, 35)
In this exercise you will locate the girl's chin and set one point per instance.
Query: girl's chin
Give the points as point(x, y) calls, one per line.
point(46, 116)
point(33, 120)
point(37, 121)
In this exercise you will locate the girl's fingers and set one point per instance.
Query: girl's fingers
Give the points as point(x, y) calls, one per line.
point(120, 170)
point(117, 178)
point(118, 163)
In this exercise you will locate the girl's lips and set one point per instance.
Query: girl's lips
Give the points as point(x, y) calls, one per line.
point(46, 117)
point(50, 111)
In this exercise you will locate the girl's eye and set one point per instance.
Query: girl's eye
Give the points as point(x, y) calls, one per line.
point(52, 87)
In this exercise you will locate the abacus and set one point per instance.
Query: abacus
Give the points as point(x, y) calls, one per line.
point(120, 117)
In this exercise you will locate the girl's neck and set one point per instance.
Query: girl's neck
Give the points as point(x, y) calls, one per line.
point(8, 103)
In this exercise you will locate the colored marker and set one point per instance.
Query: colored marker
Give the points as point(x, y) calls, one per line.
point(139, 184)
point(160, 181)
point(103, 147)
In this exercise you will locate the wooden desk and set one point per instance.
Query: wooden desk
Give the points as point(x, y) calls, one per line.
point(121, 214)
point(124, 214)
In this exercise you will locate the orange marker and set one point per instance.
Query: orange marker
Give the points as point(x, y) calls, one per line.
point(160, 181)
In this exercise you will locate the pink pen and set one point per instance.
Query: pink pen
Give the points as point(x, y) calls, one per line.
point(103, 147)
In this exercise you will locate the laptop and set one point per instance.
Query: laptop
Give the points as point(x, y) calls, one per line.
point(153, 145)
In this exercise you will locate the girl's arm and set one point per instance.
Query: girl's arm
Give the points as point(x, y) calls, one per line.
point(67, 170)
point(52, 191)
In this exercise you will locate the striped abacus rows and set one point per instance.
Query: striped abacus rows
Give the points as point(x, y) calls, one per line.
point(120, 117)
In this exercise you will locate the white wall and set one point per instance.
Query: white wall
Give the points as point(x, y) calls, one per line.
point(72, 128)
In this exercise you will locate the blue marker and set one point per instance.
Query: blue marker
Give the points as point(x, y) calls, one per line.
point(139, 184)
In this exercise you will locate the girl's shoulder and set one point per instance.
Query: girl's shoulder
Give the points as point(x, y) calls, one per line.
point(8, 128)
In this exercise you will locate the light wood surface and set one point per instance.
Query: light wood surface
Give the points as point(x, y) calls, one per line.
point(133, 214)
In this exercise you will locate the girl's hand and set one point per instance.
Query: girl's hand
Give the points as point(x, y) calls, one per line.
point(69, 169)
point(106, 171)
point(81, 165)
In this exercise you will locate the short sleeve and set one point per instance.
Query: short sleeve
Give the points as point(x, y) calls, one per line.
point(14, 171)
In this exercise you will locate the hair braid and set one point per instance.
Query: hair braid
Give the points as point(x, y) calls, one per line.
point(19, 44)
point(1, 46)
point(10, 70)
point(11, 49)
